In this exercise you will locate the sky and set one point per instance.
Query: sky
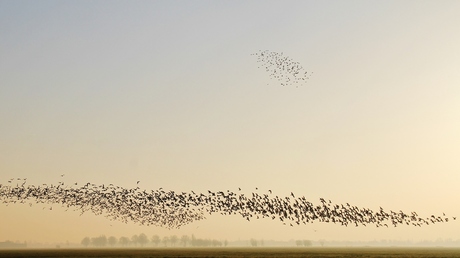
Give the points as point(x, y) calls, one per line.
point(167, 93)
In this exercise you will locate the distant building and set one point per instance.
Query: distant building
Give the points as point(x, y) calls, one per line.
point(12, 245)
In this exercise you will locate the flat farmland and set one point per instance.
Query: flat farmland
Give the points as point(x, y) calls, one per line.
point(236, 252)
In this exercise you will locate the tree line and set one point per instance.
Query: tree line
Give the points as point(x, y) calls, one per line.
point(300, 243)
point(142, 240)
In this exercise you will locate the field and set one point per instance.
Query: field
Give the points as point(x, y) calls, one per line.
point(237, 252)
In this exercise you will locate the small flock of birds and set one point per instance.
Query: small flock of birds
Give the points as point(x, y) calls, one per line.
point(175, 209)
point(282, 68)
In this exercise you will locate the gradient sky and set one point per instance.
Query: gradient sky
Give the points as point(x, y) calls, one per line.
point(167, 92)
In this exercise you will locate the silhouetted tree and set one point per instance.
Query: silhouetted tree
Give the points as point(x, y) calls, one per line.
point(184, 240)
point(112, 241)
point(142, 239)
point(124, 241)
point(173, 239)
point(216, 243)
point(253, 242)
point(165, 240)
point(100, 241)
point(225, 242)
point(200, 242)
point(156, 240)
point(321, 242)
point(193, 241)
point(298, 243)
point(86, 241)
point(103, 240)
point(307, 243)
point(135, 239)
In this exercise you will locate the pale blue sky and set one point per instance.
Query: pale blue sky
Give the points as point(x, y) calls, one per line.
point(166, 92)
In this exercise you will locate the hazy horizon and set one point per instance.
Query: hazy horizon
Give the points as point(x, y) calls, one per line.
point(168, 94)
point(180, 242)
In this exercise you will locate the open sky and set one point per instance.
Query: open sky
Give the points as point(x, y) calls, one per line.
point(167, 93)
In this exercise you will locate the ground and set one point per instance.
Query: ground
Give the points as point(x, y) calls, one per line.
point(237, 252)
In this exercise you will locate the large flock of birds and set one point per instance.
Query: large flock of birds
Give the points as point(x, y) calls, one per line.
point(174, 209)
point(282, 68)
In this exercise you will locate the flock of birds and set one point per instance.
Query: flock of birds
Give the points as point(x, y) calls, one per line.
point(282, 68)
point(174, 209)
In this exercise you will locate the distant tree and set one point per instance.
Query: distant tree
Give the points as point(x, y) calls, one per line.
point(112, 241)
point(173, 239)
point(206, 242)
point(193, 241)
point(156, 240)
point(99, 241)
point(94, 241)
point(262, 242)
point(135, 239)
point(86, 241)
point(253, 242)
point(165, 240)
point(200, 242)
point(184, 240)
point(142, 239)
point(103, 240)
point(225, 242)
point(124, 241)
point(321, 242)
point(307, 243)
point(216, 243)
point(298, 243)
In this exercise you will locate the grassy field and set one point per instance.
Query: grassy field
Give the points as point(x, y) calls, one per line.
point(237, 252)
